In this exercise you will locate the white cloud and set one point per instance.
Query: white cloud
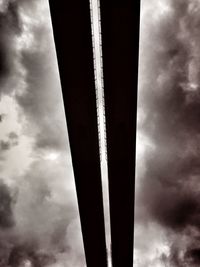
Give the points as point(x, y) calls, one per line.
point(38, 167)
point(151, 244)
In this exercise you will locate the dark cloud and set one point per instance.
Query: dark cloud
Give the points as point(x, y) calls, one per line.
point(2, 116)
point(11, 141)
point(4, 145)
point(13, 135)
point(170, 99)
point(193, 256)
point(6, 207)
point(19, 255)
point(9, 28)
point(25, 255)
point(13, 138)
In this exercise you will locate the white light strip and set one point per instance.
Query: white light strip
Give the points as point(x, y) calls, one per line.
point(99, 85)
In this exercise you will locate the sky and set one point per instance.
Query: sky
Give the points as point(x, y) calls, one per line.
point(167, 205)
point(39, 219)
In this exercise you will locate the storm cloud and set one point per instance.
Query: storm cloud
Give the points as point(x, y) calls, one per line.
point(26, 53)
point(169, 101)
point(39, 219)
point(6, 207)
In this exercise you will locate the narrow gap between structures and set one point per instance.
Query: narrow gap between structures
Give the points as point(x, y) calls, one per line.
point(99, 85)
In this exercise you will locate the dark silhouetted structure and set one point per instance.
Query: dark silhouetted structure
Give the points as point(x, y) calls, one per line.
point(120, 41)
point(72, 32)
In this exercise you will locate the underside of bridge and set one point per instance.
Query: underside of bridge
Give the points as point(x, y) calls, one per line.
point(120, 38)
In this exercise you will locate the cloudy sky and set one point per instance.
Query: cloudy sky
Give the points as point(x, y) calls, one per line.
point(39, 218)
point(167, 217)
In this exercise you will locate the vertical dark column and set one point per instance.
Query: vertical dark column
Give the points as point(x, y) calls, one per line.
point(72, 32)
point(120, 41)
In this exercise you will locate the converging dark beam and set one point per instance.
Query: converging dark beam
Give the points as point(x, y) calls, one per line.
point(120, 41)
point(72, 32)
